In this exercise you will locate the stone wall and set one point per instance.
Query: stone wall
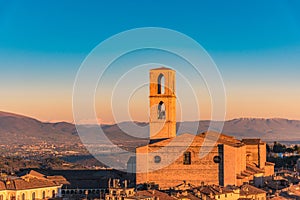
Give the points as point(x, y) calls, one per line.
point(200, 170)
point(256, 153)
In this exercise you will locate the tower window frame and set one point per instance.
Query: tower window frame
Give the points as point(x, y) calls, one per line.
point(161, 84)
point(187, 158)
point(161, 110)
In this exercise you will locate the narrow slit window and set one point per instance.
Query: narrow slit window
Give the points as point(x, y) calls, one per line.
point(187, 158)
point(161, 84)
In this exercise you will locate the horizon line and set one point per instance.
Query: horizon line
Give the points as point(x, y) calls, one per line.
point(9, 113)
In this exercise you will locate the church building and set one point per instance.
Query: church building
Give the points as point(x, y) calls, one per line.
point(168, 160)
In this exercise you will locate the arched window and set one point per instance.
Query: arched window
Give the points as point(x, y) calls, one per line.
point(33, 196)
point(161, 84)
point(53, 194)
point(187, 158)
point(161, 110)
point(1, 197)
point(44, 195)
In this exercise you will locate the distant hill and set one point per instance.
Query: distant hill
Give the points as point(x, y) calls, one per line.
point(20, 129)
point(25, 130)
point(275, 129)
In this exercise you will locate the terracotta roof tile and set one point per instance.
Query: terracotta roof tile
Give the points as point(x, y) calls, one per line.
point(196, 140)
point(251, 141)
point(58, 179)
point(31, 173)
point(253, 168)
point(188, 196)
point(155, 193)
point(21, 184)
point(2, 185)
point(249, 190)
point(162, 68)
point(214, 189)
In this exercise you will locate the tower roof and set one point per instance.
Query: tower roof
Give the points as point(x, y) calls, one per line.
point(252, 141)
point(198, 140)
point(162, 68)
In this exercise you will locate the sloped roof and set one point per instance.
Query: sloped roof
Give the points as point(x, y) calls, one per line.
point(184, 186)
point(270, 163)
point(162, 68)
point(250, 190)
point(31, 173)
point(59, 179)
point(250, 170)
point(180, 140)
point(198, 140)
point(253, 168)
point(155, 193)
point(214, 190)
point(21, 184)
point(2, 185)
point(188, 196)
point(252, 141)
point(222, 138)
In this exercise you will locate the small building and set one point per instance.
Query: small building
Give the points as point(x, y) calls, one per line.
point(84, 183)
point(251, 192)
point(31, 186)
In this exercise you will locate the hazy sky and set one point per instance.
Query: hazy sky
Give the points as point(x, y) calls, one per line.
point(255, 44)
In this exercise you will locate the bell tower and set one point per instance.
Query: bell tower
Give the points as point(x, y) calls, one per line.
point(162, 103)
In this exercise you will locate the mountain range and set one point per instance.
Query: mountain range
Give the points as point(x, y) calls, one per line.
point(19, 129)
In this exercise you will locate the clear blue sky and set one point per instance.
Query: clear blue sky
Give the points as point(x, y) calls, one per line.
point(255, 44)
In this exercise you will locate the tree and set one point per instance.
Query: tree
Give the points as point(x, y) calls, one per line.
point(279, 148)
point(290, 150)
point(297, 149)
